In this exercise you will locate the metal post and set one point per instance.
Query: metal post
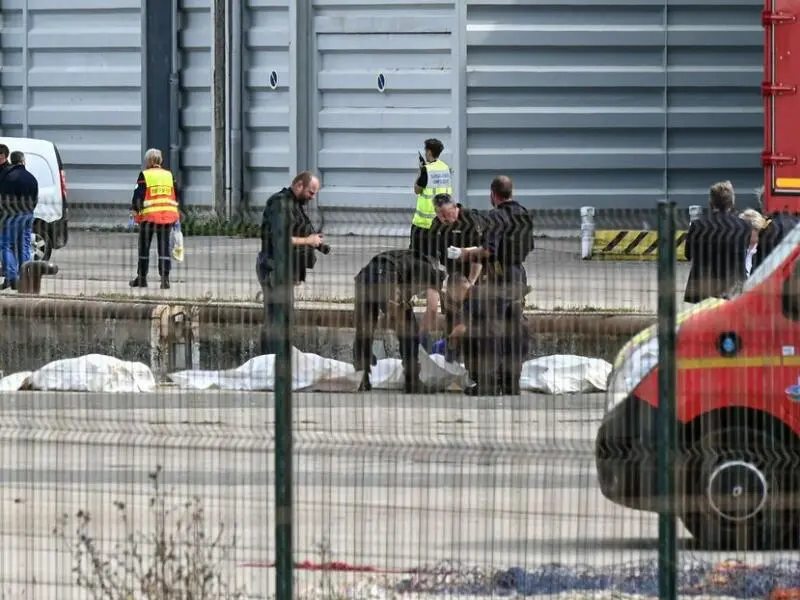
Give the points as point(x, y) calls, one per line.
point(587, 231)
point(236, 86)
point(667, 378)
point(157, 86)
point(281, 328)
point(218, 109)
point(26, 69)
point(175, 97)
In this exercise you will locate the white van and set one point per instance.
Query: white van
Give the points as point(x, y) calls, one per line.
point(50, 216)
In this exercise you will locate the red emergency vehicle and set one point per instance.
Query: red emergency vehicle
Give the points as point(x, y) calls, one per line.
point(781, 91)
point(738, 412)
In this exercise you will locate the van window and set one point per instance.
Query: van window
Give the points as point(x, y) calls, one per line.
point(39, 168)
point(773, 261)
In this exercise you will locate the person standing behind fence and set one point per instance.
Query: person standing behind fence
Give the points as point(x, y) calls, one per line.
point(20, 194)
point(304, 241)
point(716, 245)
point(434, 178)
point(776, 226)
point(4, 164)
point(156, 208)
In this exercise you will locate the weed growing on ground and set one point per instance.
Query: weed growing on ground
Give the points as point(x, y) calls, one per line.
point(176, 560)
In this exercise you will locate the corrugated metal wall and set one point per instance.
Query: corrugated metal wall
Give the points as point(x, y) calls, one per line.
point(607, 102)
point(368, 135)
point(266, 101)
point(72, 74)
point(194, 41)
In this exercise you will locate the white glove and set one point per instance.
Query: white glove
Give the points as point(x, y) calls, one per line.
point(453, 252)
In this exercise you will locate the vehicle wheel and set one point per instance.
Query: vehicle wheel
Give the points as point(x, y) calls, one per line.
point(738, 488)
point(41, 244)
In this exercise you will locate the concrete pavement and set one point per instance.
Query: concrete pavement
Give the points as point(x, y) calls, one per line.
point(394, 481)
point(101, 263)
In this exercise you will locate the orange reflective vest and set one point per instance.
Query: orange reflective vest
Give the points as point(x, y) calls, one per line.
point(160, 202)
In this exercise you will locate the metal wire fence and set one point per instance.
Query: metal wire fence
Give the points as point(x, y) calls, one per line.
point(138, 433)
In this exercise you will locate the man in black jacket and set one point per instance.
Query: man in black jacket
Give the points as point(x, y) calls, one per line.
point(497, 340)
point(716, 245)
point(386, 285)
point(4, 164)
point(778, 226)
point(19, 194)
point(304, 242)
point(460, 227)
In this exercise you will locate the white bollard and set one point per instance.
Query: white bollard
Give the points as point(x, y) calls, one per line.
point(587, 231)
point(695, 212)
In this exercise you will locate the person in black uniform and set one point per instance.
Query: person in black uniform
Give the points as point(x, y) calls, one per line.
point(779, 224)
point(461, 227)
point(497, 342)
point(716, 245)
point(386, 284)
point(305, 241)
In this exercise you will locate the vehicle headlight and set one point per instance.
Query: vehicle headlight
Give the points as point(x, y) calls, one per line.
point(636, 366)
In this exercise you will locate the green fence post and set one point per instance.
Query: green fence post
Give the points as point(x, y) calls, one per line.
point(667, 383)
point(282, 329)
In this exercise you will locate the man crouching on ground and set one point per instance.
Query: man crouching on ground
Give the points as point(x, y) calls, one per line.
point(386, 284)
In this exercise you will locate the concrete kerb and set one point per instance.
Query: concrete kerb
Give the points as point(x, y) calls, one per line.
point(194, 335)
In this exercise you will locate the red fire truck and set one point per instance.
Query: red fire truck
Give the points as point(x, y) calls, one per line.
point(781, 91)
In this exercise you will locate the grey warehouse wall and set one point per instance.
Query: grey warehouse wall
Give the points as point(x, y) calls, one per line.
point(614, 103)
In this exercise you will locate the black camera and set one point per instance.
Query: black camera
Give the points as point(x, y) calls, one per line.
point(324, 249)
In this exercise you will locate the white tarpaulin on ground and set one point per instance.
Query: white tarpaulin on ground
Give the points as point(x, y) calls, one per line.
point(14, 382)
point(309, 372)
point(93, 373)
point(565, 374)
point(559, 374)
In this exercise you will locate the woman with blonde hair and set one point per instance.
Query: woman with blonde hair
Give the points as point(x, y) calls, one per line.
point(757, 223)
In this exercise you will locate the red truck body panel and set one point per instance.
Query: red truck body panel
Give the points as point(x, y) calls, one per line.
point(781, 91)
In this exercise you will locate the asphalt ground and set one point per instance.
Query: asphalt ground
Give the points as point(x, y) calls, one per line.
point(388, 480)
point(101, 264)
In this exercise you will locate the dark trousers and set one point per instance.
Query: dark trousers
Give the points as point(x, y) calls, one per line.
point(374, 295)
point(497, 340)
point(419, 240)
point(146, 233)
point(270, 334)
point(269, 339)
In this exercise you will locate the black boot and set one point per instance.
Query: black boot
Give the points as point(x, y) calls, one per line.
point(138, 282)
point(510, 384)
point(484, 390)
point(165, 283)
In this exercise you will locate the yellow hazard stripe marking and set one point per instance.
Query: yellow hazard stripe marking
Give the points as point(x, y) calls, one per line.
point(621, 244)
point(788, 182)
point(738, 362)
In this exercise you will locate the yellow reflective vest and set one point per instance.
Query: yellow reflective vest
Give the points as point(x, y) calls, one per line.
point(160, 202)
point(439, 182)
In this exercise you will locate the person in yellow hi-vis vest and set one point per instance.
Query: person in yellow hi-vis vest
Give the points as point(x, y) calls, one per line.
point(155, 207)
point(434, 178)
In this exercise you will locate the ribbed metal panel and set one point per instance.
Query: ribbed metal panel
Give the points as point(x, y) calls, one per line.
point(195, 113)
point(613, 103)
point(267, 100)
point(72, 75)
point(368, 139)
